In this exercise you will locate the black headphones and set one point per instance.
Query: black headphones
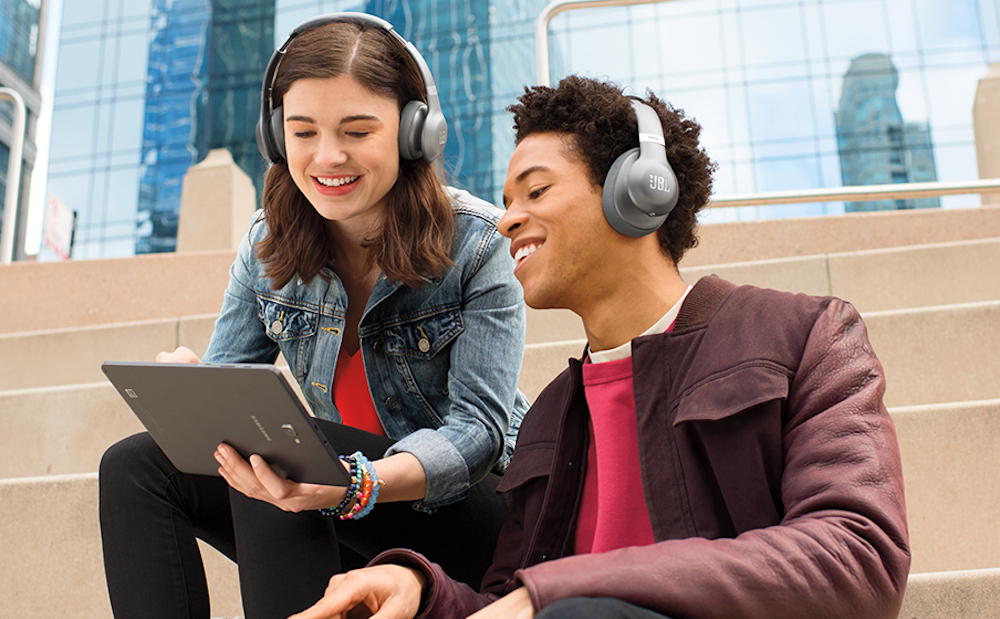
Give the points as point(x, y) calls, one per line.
point(423, 130)
point(641, 189)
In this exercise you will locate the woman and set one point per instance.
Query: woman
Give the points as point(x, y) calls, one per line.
point(393, 302)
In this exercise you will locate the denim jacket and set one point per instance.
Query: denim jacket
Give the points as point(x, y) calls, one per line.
point(442, 362)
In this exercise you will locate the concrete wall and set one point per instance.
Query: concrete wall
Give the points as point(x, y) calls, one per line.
point(986, 124)
point(217, 202)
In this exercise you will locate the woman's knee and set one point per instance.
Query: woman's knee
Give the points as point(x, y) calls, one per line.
point(130, 460)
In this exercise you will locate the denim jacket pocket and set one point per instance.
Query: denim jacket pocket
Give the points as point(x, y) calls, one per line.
point(283, 321)
point(419, 348)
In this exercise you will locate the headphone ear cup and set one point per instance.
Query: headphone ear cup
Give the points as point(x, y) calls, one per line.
point(619, 209)
point(278, 133)
point(411, 128)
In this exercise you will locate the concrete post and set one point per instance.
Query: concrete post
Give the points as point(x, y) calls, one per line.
point(986, 124)
point(217, 201)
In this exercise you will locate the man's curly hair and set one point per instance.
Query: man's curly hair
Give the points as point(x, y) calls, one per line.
point(602, 124)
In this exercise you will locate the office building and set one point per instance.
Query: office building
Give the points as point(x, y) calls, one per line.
point(21, 25)
point(876, 145)
point(173, 80)
point(764, 77)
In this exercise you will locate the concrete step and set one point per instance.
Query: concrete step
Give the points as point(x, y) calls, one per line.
point(931, 355)
point(93, 292)
point(61, 430)
point(873, 280)
point(51, 543)
point(950, 453)
point(966, 594)
point(74, 355)
point(80, 293)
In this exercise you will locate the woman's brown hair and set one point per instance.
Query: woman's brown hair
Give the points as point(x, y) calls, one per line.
point(417, 230)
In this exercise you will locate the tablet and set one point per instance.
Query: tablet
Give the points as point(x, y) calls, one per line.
point(189, 408)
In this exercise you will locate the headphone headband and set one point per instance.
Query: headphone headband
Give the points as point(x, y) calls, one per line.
point(423, 130)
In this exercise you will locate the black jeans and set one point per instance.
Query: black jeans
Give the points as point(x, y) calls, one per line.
point(596, 608)
point(151, 515)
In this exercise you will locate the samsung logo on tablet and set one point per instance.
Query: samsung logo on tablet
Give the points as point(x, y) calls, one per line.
point(260, 427)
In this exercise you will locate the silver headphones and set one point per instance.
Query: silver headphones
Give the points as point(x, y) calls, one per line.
point(640, 189)
point(423, 130)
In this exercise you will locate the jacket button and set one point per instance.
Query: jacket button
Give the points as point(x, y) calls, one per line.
point(377, 345)
point(424, 344)
point(277, 327)
point(391, 402)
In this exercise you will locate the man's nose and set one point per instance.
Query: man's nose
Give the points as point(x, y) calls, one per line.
point(511, 220)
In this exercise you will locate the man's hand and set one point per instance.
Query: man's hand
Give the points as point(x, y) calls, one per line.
point(257, 481)
point(515, 605)
point(387, 591)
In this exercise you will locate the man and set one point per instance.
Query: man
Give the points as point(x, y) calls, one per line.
point(720, 451)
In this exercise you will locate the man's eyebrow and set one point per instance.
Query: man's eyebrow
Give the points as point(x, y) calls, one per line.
point(523, 175)
point(526, 173)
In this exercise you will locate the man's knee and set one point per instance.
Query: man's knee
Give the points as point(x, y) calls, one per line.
point(596, 608)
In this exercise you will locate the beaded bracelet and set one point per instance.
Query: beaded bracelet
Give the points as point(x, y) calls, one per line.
point(369, 489)
point(352, 490)
point(362, 493)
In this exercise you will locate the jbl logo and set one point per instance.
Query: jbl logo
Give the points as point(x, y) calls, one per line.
point(658, 183)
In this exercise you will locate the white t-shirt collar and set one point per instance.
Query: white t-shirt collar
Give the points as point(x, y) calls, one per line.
point(625, 350)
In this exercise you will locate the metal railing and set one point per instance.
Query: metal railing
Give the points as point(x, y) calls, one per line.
point(835, 194)
point(561, 6)
point(861, 193)
point(10, 202)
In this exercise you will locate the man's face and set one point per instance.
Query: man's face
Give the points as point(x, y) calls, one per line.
point(563, 246)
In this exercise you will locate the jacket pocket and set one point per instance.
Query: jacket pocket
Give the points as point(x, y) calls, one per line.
point(731, 392)
point(424, 337)
point(729, 440)
point(529, 462)
point(285, 322)
point(419, 351)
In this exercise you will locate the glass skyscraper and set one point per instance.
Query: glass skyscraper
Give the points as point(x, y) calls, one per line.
point(764, 77)
point(202, 92)
point(20, 22)
point(876, 145)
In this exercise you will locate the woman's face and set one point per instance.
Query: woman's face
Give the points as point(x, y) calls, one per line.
point(342, 148)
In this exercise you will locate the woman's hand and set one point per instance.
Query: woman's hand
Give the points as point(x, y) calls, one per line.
point(182, 354)
point(257, 481)
point(387, 591)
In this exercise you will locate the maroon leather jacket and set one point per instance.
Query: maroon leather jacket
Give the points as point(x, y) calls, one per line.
point(770, 468)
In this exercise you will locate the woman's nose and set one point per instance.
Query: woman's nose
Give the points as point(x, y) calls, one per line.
point(331, 153)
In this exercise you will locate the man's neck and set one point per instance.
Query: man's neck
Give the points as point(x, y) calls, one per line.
point(629, 310)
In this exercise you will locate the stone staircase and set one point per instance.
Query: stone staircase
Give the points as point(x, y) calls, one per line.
point(927, 283)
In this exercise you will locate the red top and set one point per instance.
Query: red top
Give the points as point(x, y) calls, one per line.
point(613, 510)
point(351, 395)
